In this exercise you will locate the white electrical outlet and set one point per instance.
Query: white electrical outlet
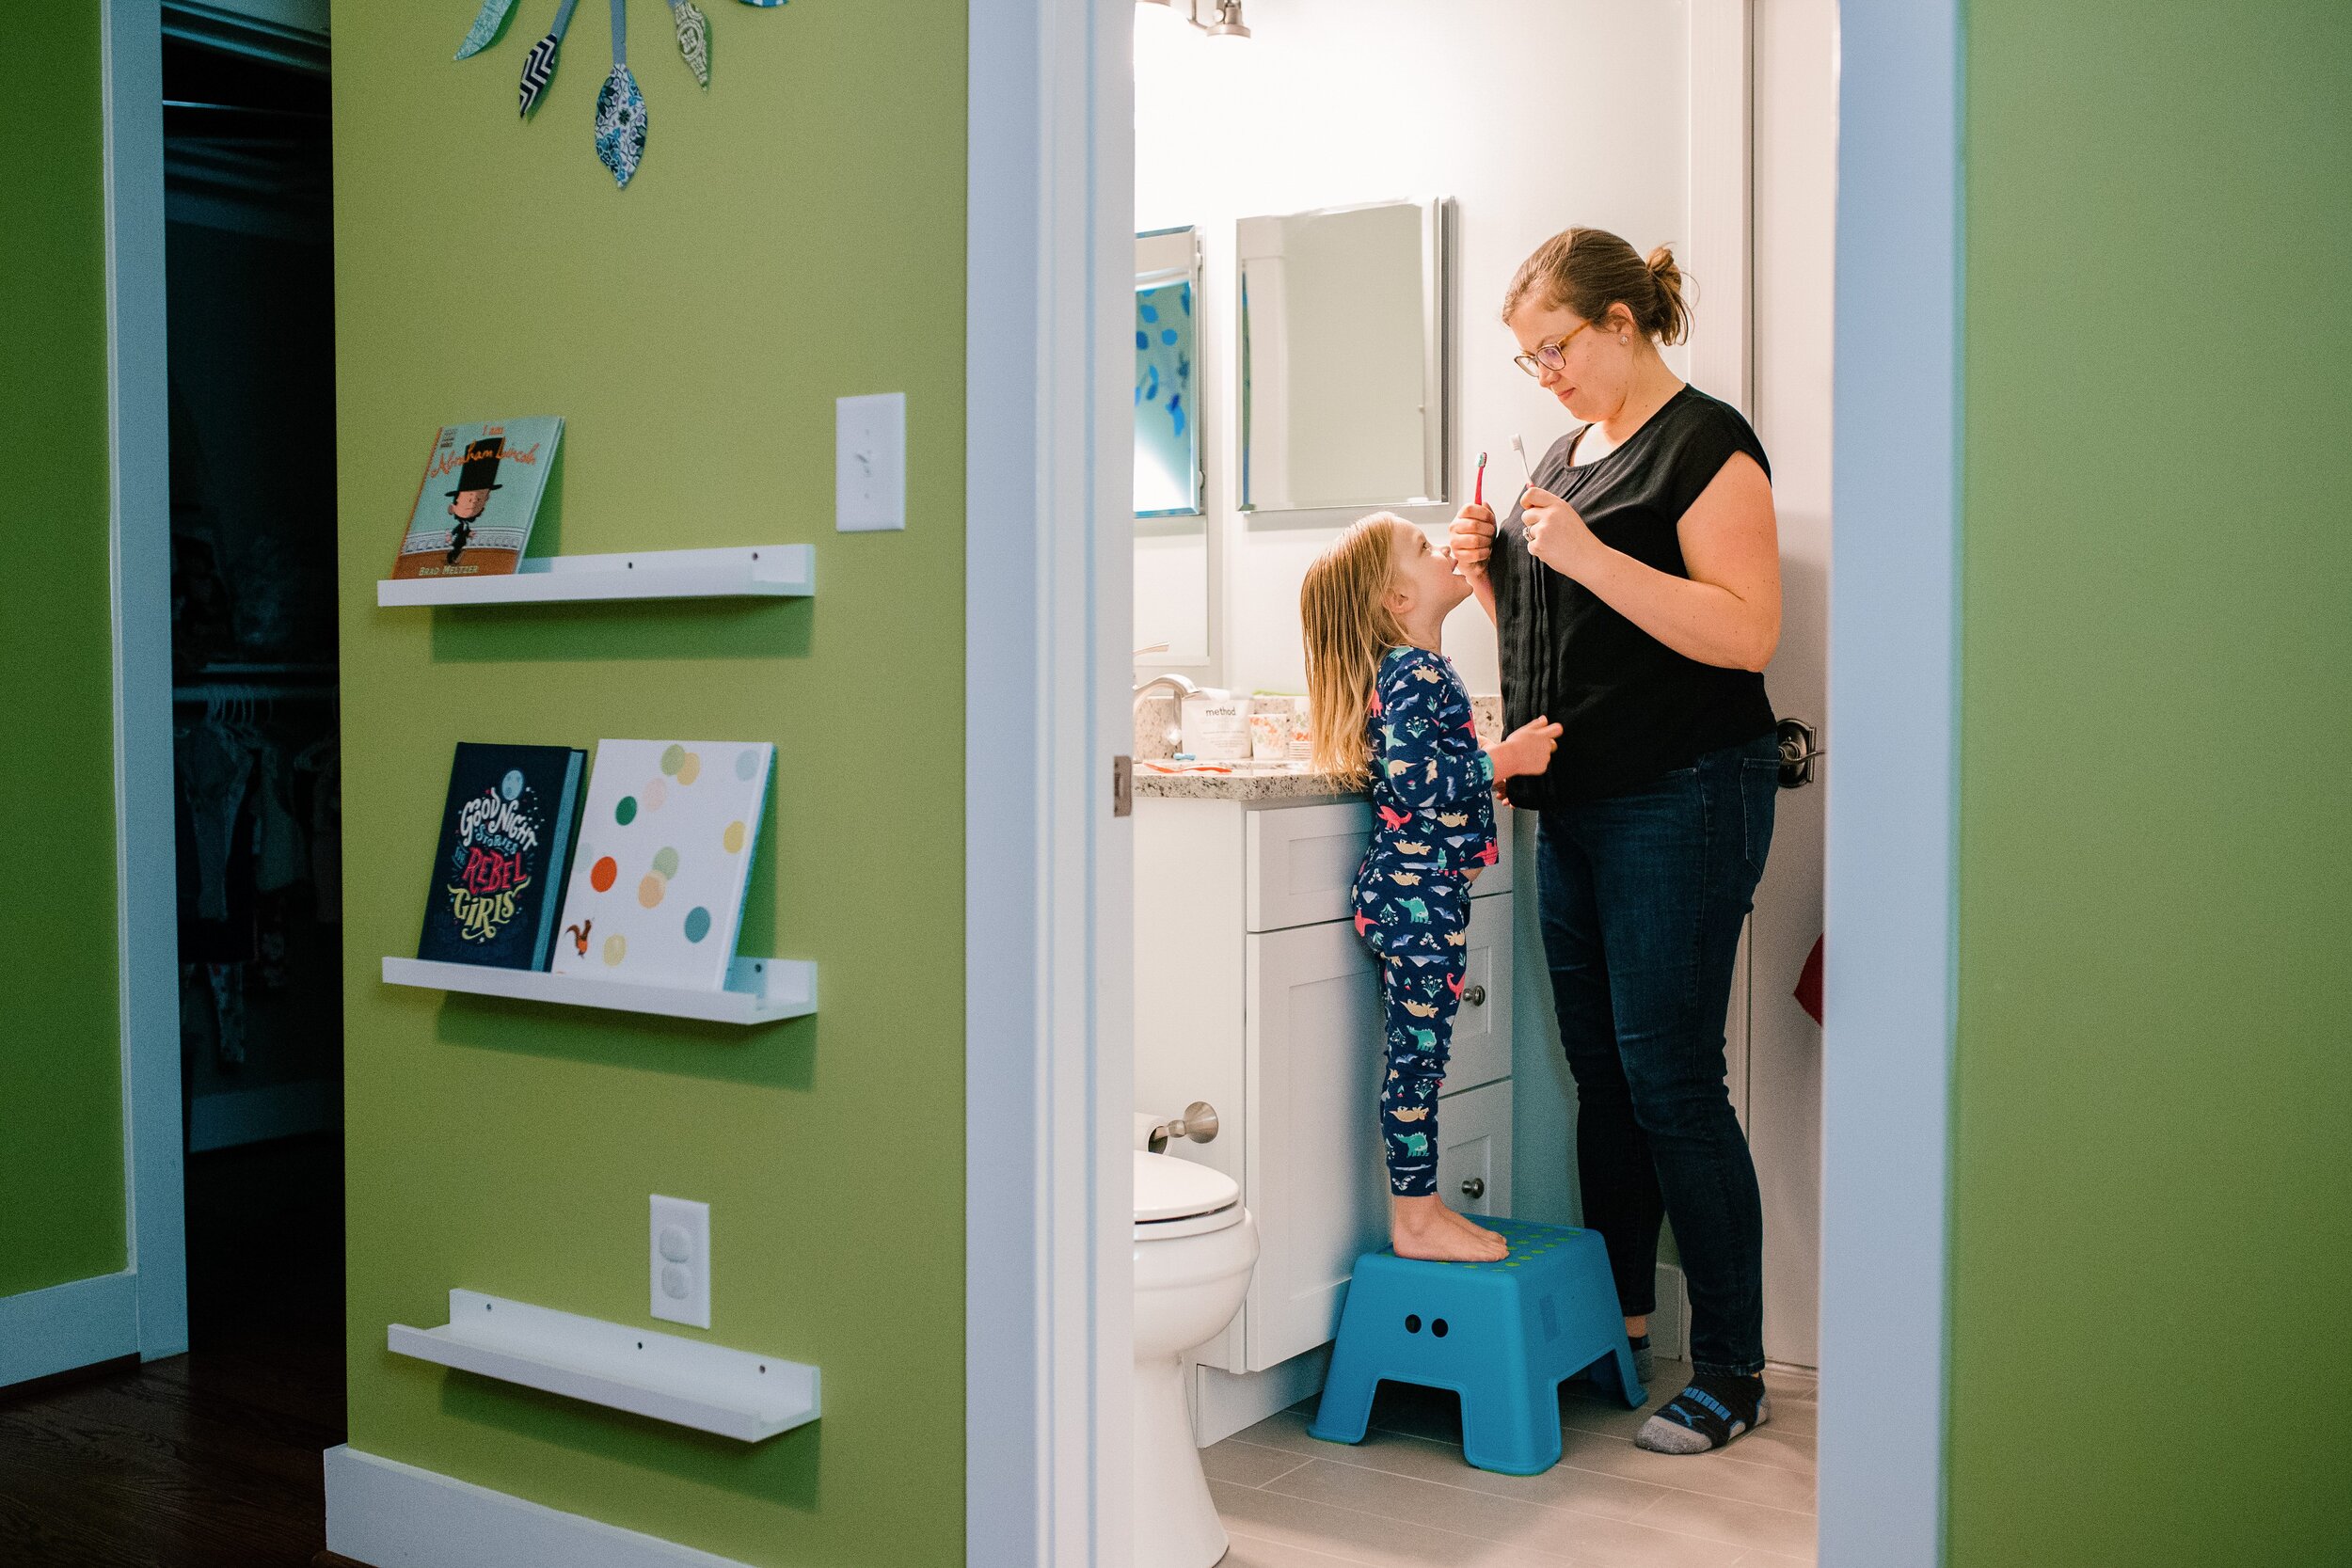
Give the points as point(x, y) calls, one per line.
point(680, 1249)
point(870, 463)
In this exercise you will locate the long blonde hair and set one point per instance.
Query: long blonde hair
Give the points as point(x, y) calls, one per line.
point(1344, 609)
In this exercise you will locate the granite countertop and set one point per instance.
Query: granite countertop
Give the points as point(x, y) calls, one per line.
point(1160, 778)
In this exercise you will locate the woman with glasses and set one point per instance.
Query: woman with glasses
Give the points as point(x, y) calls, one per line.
point(1635, 589)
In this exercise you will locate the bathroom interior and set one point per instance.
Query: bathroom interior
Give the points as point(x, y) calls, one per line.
point(1330, 200)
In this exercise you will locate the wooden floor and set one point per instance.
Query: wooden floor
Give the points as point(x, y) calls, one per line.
point(1404, 1499)
point(208, 1460)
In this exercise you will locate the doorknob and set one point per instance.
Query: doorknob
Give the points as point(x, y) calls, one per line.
point(1475, 996)
point(1797, 753)
point(1474, 1187)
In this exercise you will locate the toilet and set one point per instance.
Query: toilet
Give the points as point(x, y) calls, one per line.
point(1195, 1247)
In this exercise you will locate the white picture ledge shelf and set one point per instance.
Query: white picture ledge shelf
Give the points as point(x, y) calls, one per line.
point(687, 1383)
point(743, 571)
point(758, 990)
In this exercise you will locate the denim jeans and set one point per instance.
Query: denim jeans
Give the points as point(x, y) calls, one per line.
point(1641, 897)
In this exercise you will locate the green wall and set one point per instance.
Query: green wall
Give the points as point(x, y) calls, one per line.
point(2152, 1250)
point(60, 1040)
point(796, 234)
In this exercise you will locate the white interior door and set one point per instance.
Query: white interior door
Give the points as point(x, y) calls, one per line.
point(1795, 172)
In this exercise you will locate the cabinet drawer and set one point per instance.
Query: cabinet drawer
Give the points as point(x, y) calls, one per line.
point(1302, 861)
point(1474, 1149)
point(1482, 1024)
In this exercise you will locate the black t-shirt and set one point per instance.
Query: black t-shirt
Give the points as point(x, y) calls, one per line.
point(1630, 707)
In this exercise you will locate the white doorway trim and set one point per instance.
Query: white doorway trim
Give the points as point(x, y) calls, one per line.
point(1887, 1048)
point(140, 528)
point(1048, 897)
point(1046, 984)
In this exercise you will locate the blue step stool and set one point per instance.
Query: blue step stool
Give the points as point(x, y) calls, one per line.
point(1503, 1335)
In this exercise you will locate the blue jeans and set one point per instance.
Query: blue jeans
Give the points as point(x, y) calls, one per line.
point(1642, 897)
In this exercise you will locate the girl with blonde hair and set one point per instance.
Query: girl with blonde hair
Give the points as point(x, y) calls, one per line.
point(1390, 714)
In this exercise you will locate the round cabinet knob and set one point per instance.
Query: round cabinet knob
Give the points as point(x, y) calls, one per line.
point(1474, 1187)
point(1475, 996)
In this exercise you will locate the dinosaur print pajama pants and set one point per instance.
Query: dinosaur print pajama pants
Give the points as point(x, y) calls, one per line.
point(1416, 921)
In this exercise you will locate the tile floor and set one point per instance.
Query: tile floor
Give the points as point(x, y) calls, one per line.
point(1403, 1498)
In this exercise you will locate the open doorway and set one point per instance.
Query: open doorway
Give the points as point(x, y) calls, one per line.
point(1711, 130)
point(248, 290)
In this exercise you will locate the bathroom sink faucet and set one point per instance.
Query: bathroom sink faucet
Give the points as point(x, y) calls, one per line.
point(1177, 684)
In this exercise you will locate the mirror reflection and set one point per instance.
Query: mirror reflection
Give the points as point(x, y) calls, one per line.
point(1344, 357)
point(1167, 425)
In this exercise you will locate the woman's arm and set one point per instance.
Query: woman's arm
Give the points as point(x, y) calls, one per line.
point(1728, 611)
point(1472, 543)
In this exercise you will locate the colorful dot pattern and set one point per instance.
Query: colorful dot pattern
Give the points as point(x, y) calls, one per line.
point(663, 879)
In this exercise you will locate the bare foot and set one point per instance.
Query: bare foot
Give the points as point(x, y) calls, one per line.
point(1476, 1230)
point(1424, 1228)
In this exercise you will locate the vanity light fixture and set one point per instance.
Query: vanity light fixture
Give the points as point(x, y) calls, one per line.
point(1224, 19)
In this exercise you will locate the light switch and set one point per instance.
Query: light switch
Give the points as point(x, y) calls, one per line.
point(681, 1260)
point(870, 463)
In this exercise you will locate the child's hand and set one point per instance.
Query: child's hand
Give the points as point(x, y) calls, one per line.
point(1472, 538)
point(1526, 749)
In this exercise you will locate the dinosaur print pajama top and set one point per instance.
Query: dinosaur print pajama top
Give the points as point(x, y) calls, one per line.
point(1432, 790)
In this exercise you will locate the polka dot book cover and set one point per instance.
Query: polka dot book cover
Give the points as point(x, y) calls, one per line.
point(655, 894)
point(506, 838)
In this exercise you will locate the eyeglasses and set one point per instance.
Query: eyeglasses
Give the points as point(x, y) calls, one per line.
point(1552, 356)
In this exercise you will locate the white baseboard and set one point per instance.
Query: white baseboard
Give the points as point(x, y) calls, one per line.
point(388, 1514)
point(1226, 1403)
point(78, 1324)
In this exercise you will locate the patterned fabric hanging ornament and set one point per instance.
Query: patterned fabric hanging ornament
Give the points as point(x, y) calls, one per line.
point(486, 27)
point(539, 65)
point(693, 38)
point(620, 109)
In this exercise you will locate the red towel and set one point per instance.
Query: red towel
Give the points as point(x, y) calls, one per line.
point(1808, 991)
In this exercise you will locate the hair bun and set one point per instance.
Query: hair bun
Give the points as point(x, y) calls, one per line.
point(1660, 262)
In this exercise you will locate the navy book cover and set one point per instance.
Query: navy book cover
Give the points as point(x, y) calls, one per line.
point(504, 855)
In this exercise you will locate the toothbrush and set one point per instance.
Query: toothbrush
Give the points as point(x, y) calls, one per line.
point(1478, 487)
point(1520, 447)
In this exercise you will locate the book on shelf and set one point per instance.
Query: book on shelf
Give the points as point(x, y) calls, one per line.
point(656, 892)
point(506, 841)
point(480, 493)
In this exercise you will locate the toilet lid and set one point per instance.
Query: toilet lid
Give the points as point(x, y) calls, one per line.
point(1167, 1188)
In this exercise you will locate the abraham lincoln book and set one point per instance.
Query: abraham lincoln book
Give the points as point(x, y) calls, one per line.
point(505, 847)
point(475, 505)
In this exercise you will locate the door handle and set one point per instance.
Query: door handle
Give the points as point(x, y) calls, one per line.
point(1798, 752)
point(1475, 996)
point(1474, 1187)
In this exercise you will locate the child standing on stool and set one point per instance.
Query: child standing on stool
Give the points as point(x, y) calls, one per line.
point(1389, 712)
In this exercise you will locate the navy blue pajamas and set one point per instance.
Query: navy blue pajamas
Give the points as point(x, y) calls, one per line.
point(1432, 789)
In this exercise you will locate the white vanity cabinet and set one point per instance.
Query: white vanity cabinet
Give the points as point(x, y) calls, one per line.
point(1254, 993)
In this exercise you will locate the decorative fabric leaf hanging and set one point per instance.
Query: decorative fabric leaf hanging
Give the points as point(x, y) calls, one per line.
point(693, 38)
point(486, 27)
point(539, 65)
point(620, 109)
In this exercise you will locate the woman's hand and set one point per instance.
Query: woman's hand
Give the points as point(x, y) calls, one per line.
point(1526, 749)
point(1556, 534)
point(1472, 538)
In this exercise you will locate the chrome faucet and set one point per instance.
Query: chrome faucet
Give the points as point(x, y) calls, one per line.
point(1181, 687)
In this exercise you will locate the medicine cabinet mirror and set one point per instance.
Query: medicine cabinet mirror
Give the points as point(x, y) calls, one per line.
point(1174, 556)
point(1344, 349)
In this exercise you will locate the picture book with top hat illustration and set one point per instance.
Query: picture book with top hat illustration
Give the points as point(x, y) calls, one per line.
point(475, 504)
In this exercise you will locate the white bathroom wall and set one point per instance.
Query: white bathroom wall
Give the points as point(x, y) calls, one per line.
point(1532, 114)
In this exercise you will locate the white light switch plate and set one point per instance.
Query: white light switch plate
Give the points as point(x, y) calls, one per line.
point(678, 1245)
point(870, 463)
